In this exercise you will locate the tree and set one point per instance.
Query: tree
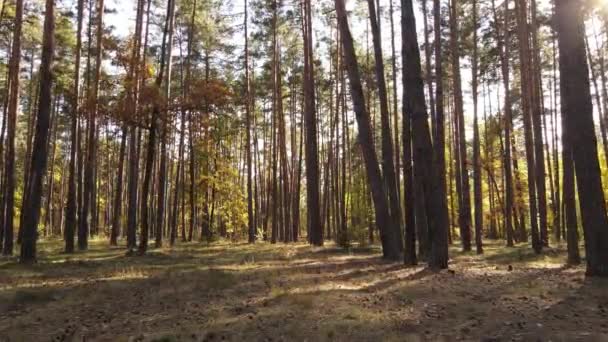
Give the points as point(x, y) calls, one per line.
point(476, 143)
point(13, 103)
point(315, 225)
point(93, 106)
point(527, 107)
point(37, 169)
point(250, 217)
point(154, 126)
point(71, 207)
point(390, 243)
point(503, 39)
point(427, 174)
point(462, 175)
point(577, 113)
point(388, 165)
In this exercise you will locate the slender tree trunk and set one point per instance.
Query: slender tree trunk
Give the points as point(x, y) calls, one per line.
point(388, 166)
point(71, 206)
point(13, 104)
point(250, 216)
point(89, 177)
point(41, 137)
point(429, 173)
point(476, 143)
point(527, 107)
point(315, 225)
point(151, 151)
point(118, 189)
point(503, 46)
point(465, 204)
point(390, 245)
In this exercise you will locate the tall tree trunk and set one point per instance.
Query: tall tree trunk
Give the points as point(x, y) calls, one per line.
point(41, 137)
point(89, 177)
point(503, 47)
point(315, 225)
point(537, 113)
point(577, 112)
point(151, 151)
point(476, 143)
point(388, 166)
point(71, 206)
point(118, 188)
point(162, 172)
point(429, 173)
point(465, 203)
point(13, 104)
point(390, 245)
point(527, 107)
point(250, 217)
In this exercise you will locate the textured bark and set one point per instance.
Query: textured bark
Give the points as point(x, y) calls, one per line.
point(315, 225)
point(577, 112)
point(39, 159)
point(151, 150)
point(71, 207)
point(464, 216)
point(571, 223)
point(390, 245)
point(527, 107)
point(388, 165)
point(428, 173)
point(503, 46)
point(537, 112)
point(13, 104)
point(118, 189)
point(88, 200)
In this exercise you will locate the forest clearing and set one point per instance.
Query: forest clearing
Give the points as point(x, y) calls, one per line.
point(303, 170)
point(240, 292)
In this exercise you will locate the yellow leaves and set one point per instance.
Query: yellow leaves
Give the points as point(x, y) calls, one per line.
point(150, 70)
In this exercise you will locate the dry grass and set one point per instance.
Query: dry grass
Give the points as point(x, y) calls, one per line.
point(266, 292)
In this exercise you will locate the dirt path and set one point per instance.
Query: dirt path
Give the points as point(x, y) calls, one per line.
point(292, 293)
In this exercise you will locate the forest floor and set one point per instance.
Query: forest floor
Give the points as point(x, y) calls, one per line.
point(238, 292)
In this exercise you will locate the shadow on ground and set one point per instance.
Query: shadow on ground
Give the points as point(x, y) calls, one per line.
point(266, 292)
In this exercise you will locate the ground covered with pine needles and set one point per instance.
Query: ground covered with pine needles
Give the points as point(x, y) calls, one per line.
point(239, 292)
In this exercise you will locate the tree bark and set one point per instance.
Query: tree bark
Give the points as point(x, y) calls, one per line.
point(41, 137)
point(390, 245)
point(577, 112)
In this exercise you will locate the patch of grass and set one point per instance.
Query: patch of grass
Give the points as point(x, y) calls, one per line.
point(215, 279)
point(302, 301)
point(168, 338)
point(26, 297)
point(277, 292)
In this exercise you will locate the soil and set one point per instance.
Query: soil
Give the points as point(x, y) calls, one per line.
point(239, 292)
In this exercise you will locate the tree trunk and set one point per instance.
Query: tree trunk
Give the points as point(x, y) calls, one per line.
point(71, 207)
point(465, 196)
point(390, 245)
point(577, 112)
point(429, 173)
point(476, 144)
point(388, 166)
point(41, 137)
point(315, 225)
point(13, 104)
